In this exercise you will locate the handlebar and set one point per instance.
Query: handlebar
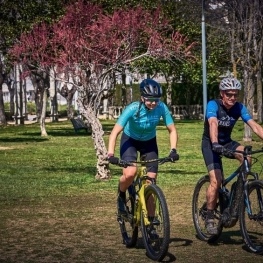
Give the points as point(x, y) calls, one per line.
point(247, 151)
point(125, 164)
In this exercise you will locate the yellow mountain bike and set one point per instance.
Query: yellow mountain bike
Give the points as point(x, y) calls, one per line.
point(144, 195)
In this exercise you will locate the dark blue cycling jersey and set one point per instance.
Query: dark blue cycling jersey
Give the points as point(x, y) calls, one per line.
point(140, 123)
point(227, 119)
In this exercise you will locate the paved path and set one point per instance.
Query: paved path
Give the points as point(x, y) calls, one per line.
point(32, 119)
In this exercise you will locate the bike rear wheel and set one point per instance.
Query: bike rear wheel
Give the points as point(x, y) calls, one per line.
point(156, 245)
point(129, 230)
point(251, 222)
point(199, 211)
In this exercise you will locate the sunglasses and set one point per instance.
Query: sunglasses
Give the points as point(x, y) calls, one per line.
point(152, 99)
point(230, 95)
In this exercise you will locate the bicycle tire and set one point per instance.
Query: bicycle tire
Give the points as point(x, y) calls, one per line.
point(252, 227)
point(199, 211)
point(157, 249)
point(128, 228)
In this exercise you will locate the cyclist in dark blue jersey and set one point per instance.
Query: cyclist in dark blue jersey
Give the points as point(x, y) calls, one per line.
point(138, 126)
point(221, 116)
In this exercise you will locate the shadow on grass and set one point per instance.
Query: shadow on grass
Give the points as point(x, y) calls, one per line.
point(181, 242)
point(227, 238)
point(86, 170)
point(20, 139)
point(178, 172)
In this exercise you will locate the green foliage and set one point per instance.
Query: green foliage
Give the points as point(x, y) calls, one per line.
point(64, 164)
point(18, 16)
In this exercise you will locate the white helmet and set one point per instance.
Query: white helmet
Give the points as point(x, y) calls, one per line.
point(229, 83)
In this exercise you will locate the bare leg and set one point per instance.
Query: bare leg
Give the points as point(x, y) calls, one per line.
point(212, 190)
point(150, 203)
point(211, 197)
point(125, 181)
point(127, 178)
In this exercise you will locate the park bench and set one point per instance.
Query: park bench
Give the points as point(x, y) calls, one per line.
point(79, 124)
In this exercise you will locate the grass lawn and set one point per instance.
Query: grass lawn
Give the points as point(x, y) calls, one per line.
point(53, 210)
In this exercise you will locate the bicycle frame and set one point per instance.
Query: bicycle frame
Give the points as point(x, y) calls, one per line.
point(147, 210)
point(140, 204)
point(242, 172)
point(243, 203)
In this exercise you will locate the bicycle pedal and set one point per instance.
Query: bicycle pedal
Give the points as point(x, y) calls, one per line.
point(119, 219)
point(154, 221)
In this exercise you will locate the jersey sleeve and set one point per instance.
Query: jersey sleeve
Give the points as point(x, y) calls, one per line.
point(167, 117)
point(128, 112)
point(245, 115)
point(212, 109)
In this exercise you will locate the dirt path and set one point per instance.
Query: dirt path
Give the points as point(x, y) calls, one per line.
point(84, 229)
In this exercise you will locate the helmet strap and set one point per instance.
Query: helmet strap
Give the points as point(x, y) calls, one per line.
point(138, 111)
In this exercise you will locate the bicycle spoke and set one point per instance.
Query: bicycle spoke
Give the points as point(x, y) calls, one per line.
point(199, 211)
point(156, 236)
point(251, 220)
point(129, 230)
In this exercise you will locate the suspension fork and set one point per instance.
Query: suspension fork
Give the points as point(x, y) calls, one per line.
point(260, 200)
point(259, 195)
point(142, 208)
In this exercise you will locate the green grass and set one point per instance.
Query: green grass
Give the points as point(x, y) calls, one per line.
point(52, 209)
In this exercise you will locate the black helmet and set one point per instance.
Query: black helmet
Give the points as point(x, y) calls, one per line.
point(150, 88)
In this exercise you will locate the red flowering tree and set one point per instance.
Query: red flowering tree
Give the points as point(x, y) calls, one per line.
point(92, 46)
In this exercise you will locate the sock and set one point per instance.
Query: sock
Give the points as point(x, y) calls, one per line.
point(122, 194)
point(210, 214)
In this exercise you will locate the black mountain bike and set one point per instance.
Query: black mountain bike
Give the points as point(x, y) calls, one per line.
point(155, 229)
point(244, 202)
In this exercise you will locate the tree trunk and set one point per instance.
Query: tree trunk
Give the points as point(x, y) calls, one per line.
point(11, 88)
point(68, 94)
point(169, 92)
point(99, 145)
point(249, 92)
point(43, 114)
point(2, 108)
point(259, 97)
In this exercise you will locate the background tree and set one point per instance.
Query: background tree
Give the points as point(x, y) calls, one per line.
point(91, 46)
point(246, 27)
point(15, 18)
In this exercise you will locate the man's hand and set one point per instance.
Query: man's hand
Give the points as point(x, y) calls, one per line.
point(113, 160)
point(218, 148)
point(173, 155)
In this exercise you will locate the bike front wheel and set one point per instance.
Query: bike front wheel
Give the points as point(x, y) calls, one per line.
point(129, 230)
point(156, 236)
point(251, 219)
point(199, 211)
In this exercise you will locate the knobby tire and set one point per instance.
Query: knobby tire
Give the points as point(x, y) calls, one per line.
point(129, 231)
point(199, 211)
point(252, 227)
point(158, 248)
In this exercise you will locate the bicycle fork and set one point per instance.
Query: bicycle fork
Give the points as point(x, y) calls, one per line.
point(247, 201)
point(141, 207)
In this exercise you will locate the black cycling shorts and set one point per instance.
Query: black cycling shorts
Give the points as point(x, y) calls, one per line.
point(130, 147)
point(213, 160)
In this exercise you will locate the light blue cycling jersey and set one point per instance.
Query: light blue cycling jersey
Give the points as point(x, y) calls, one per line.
point(140, 124)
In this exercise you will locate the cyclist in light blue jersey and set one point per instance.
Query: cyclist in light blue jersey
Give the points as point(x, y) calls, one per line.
point(138, 126)
point(221, 116)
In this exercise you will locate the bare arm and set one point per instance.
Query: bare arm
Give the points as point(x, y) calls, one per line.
point(257, 129)
point(173, 136)
point(213, 128)
point(113, 137)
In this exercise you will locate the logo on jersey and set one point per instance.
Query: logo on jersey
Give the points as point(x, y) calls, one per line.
point(226, 121)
